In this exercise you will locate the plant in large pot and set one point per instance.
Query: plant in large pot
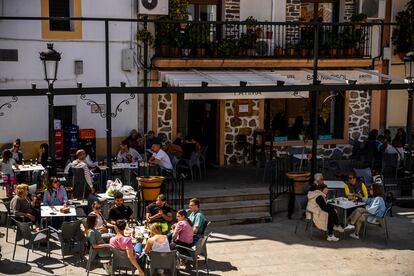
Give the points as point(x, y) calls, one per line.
point(247, 43)
point(200, 37)
point(150, 187)
point(403, 33)
point(145, 36)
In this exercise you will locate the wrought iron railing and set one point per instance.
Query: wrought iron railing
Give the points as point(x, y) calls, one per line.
point(262, 39)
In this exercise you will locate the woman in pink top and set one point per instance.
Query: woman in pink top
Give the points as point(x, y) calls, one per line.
point(183, 231)
point(125, 243)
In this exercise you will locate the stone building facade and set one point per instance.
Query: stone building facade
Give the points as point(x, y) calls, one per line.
point(164, 115)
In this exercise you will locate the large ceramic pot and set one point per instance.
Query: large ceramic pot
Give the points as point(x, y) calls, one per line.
point(150, 186)
point(300, 180)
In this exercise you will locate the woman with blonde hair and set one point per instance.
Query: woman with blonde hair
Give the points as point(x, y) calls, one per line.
point(21, 205)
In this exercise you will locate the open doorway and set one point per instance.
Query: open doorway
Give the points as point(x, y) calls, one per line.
point(66, 114)
point(203, 125)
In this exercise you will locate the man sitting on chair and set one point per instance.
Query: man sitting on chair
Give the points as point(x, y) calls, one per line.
point(119, 211)
point(160, 212)
point(81, 164)
point(197, 218)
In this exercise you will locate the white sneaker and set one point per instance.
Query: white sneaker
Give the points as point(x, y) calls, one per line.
point(354, 236)
point(332, 238)
point(338, 228)
point(349, 227)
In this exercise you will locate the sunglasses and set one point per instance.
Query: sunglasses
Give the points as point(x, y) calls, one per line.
point(98, 207)
point(351, 177)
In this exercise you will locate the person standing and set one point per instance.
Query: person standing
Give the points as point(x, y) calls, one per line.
point(80, 163)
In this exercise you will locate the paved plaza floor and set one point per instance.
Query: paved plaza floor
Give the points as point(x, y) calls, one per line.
point(263, 249)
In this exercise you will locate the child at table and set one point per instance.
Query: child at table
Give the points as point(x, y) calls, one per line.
point(375, 207)
point(324, 216)
point(8, 176)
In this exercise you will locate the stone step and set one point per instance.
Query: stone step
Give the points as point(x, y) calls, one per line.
point(229, 195)
point(240, 218)
point(233, 207)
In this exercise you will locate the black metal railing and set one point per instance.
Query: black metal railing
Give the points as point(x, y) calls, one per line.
point(275, 177)
point(174, 191)
point(262, 39)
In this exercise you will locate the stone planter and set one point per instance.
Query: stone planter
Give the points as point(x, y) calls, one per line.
point(300, 180)
point(150, 187)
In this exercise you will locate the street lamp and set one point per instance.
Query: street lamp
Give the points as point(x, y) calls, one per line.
point(409, 78)
point(50, 59)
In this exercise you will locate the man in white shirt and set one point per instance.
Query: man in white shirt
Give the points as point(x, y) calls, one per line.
point(81, 164)
point(160, 157)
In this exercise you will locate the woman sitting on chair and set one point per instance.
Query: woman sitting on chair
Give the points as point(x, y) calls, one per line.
point(183, 231)
point(55, 194)
point(375, 208)
point(324, 215)
point(21, 205)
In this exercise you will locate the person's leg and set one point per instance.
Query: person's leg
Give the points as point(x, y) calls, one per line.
point(360, 222)
point(356, 214)
point(330, 224)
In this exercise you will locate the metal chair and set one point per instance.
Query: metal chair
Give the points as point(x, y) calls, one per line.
point(203, 159)
point(93, 254)
point(24, 231)
point(189, 164)
point(366, 174)
point(11, 218)
point(162, 260)
point(193, 254)
point(390, 164)
point(120, 261)
point(379, 221)
point(79, 183)
point(69, 236)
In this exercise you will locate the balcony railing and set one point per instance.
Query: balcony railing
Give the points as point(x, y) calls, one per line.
point(262, 39)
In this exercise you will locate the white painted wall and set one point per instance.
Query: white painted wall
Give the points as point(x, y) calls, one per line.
point(30, 113)
point(262, 10)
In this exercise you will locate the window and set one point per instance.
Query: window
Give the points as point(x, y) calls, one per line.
point(59, 8)
point(209, 10)
point(289, 119)
point(58, 29)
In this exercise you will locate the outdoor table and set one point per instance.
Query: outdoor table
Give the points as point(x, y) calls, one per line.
point(334, 184)
point(142, 168)
point(29, 169)
point(345, 204)
point(49, 212)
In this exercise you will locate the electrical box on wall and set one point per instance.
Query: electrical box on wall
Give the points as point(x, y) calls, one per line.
point(127, 59)
point(78, 67)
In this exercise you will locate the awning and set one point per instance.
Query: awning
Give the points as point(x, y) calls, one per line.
point(194, 78)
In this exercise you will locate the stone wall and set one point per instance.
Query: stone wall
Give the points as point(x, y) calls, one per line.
point(231, 10)
point(164, 117)
point(233, 153)
point(292, 10)
point(349, 9)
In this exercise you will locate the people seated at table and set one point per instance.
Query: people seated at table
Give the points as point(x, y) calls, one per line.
point(175, 148)
point(401, 135)
point(43, 154)
point(150, 139)
point(160, 157)
point(6, 166)
point(183, 231)
point(136, 141)
point(80, 163)
point(119, 211)
point(127, 154)
point(55, 194)
point(355, 188)
point(375, 207)
point(157, 242)
point(96, 241)
point(387, 135)
point(22, 205)
point(324, 216)
point(122, 242)
point(17, 154)
point(197, 219)
point(101, 223)
point(160, 212)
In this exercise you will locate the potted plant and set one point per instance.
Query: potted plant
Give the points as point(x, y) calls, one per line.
point(291, 50)
point(269, 32)
point(229, 47)
point(403, 33)
point(279, 51)
point(251, 23)
point(247, 43)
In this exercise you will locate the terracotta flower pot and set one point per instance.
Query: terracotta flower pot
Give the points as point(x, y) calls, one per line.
point(300, 180)
point(150, 187)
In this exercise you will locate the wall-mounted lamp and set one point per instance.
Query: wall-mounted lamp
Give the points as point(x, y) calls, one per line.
point(123, 84)
point(33, 85)
point(280, 83)
point(352, 82)
point(164, 84)
point(204, 84)
point(243, 83)
point(79, 85)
